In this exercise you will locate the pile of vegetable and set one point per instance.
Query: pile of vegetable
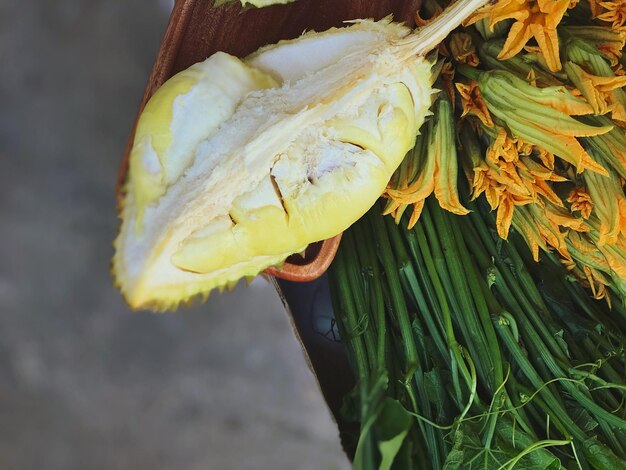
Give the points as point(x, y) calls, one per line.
point(468, 354)
point(485, 319)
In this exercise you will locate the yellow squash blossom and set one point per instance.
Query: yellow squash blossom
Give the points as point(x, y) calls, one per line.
point(462, 49)
point(541, 116)
point(473, 102)
point(603, 265)
point(589, 265)
point(510, 178)
point(598, 90)
point(594, 6)
point(589, 70)
point(528, 64)
point(431, 167)
point(525, 223)
point(546, 227)
point(531, 19)
point(613, 12)
point(608, 149)
point(608, 41)
point(577, 241)
point(609, 205)
point(580, 201)
point(447, 80)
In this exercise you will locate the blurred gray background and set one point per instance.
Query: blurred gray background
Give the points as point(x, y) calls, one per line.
point(85, 383)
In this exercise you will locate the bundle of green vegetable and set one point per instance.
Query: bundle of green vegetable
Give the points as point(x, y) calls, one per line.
point(476, 337)
point(468, 354)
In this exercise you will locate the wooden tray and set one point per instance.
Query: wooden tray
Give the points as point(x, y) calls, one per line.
point(196, 30)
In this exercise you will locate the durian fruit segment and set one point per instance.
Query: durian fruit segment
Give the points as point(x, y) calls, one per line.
point(256, 224)
point(187, 109)
point(328, 183)
point(293, 164)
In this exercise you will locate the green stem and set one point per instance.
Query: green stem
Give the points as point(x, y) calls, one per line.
point(359, 292)
point(347, 315)
point(396, 296)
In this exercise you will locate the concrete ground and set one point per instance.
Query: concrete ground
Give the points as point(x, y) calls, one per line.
point(85, 383)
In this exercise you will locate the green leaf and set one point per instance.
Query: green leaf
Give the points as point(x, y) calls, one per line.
point(600, 456)
point(389, 426)
point(436, 384)
point(393, 425)
point(468, 452)
point(512, 441)
point(404, 458)
point(371, 408)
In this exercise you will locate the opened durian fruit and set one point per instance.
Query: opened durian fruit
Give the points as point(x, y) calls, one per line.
point(238, 163)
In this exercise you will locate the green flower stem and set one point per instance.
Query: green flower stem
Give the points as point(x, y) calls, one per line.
point(348, 316)
point(373, 285)
point(467, 314)
point(358, 294)
point(397, 301)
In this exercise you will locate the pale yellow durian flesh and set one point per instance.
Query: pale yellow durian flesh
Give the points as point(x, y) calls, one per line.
point(280, 152)
point(175, 120)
